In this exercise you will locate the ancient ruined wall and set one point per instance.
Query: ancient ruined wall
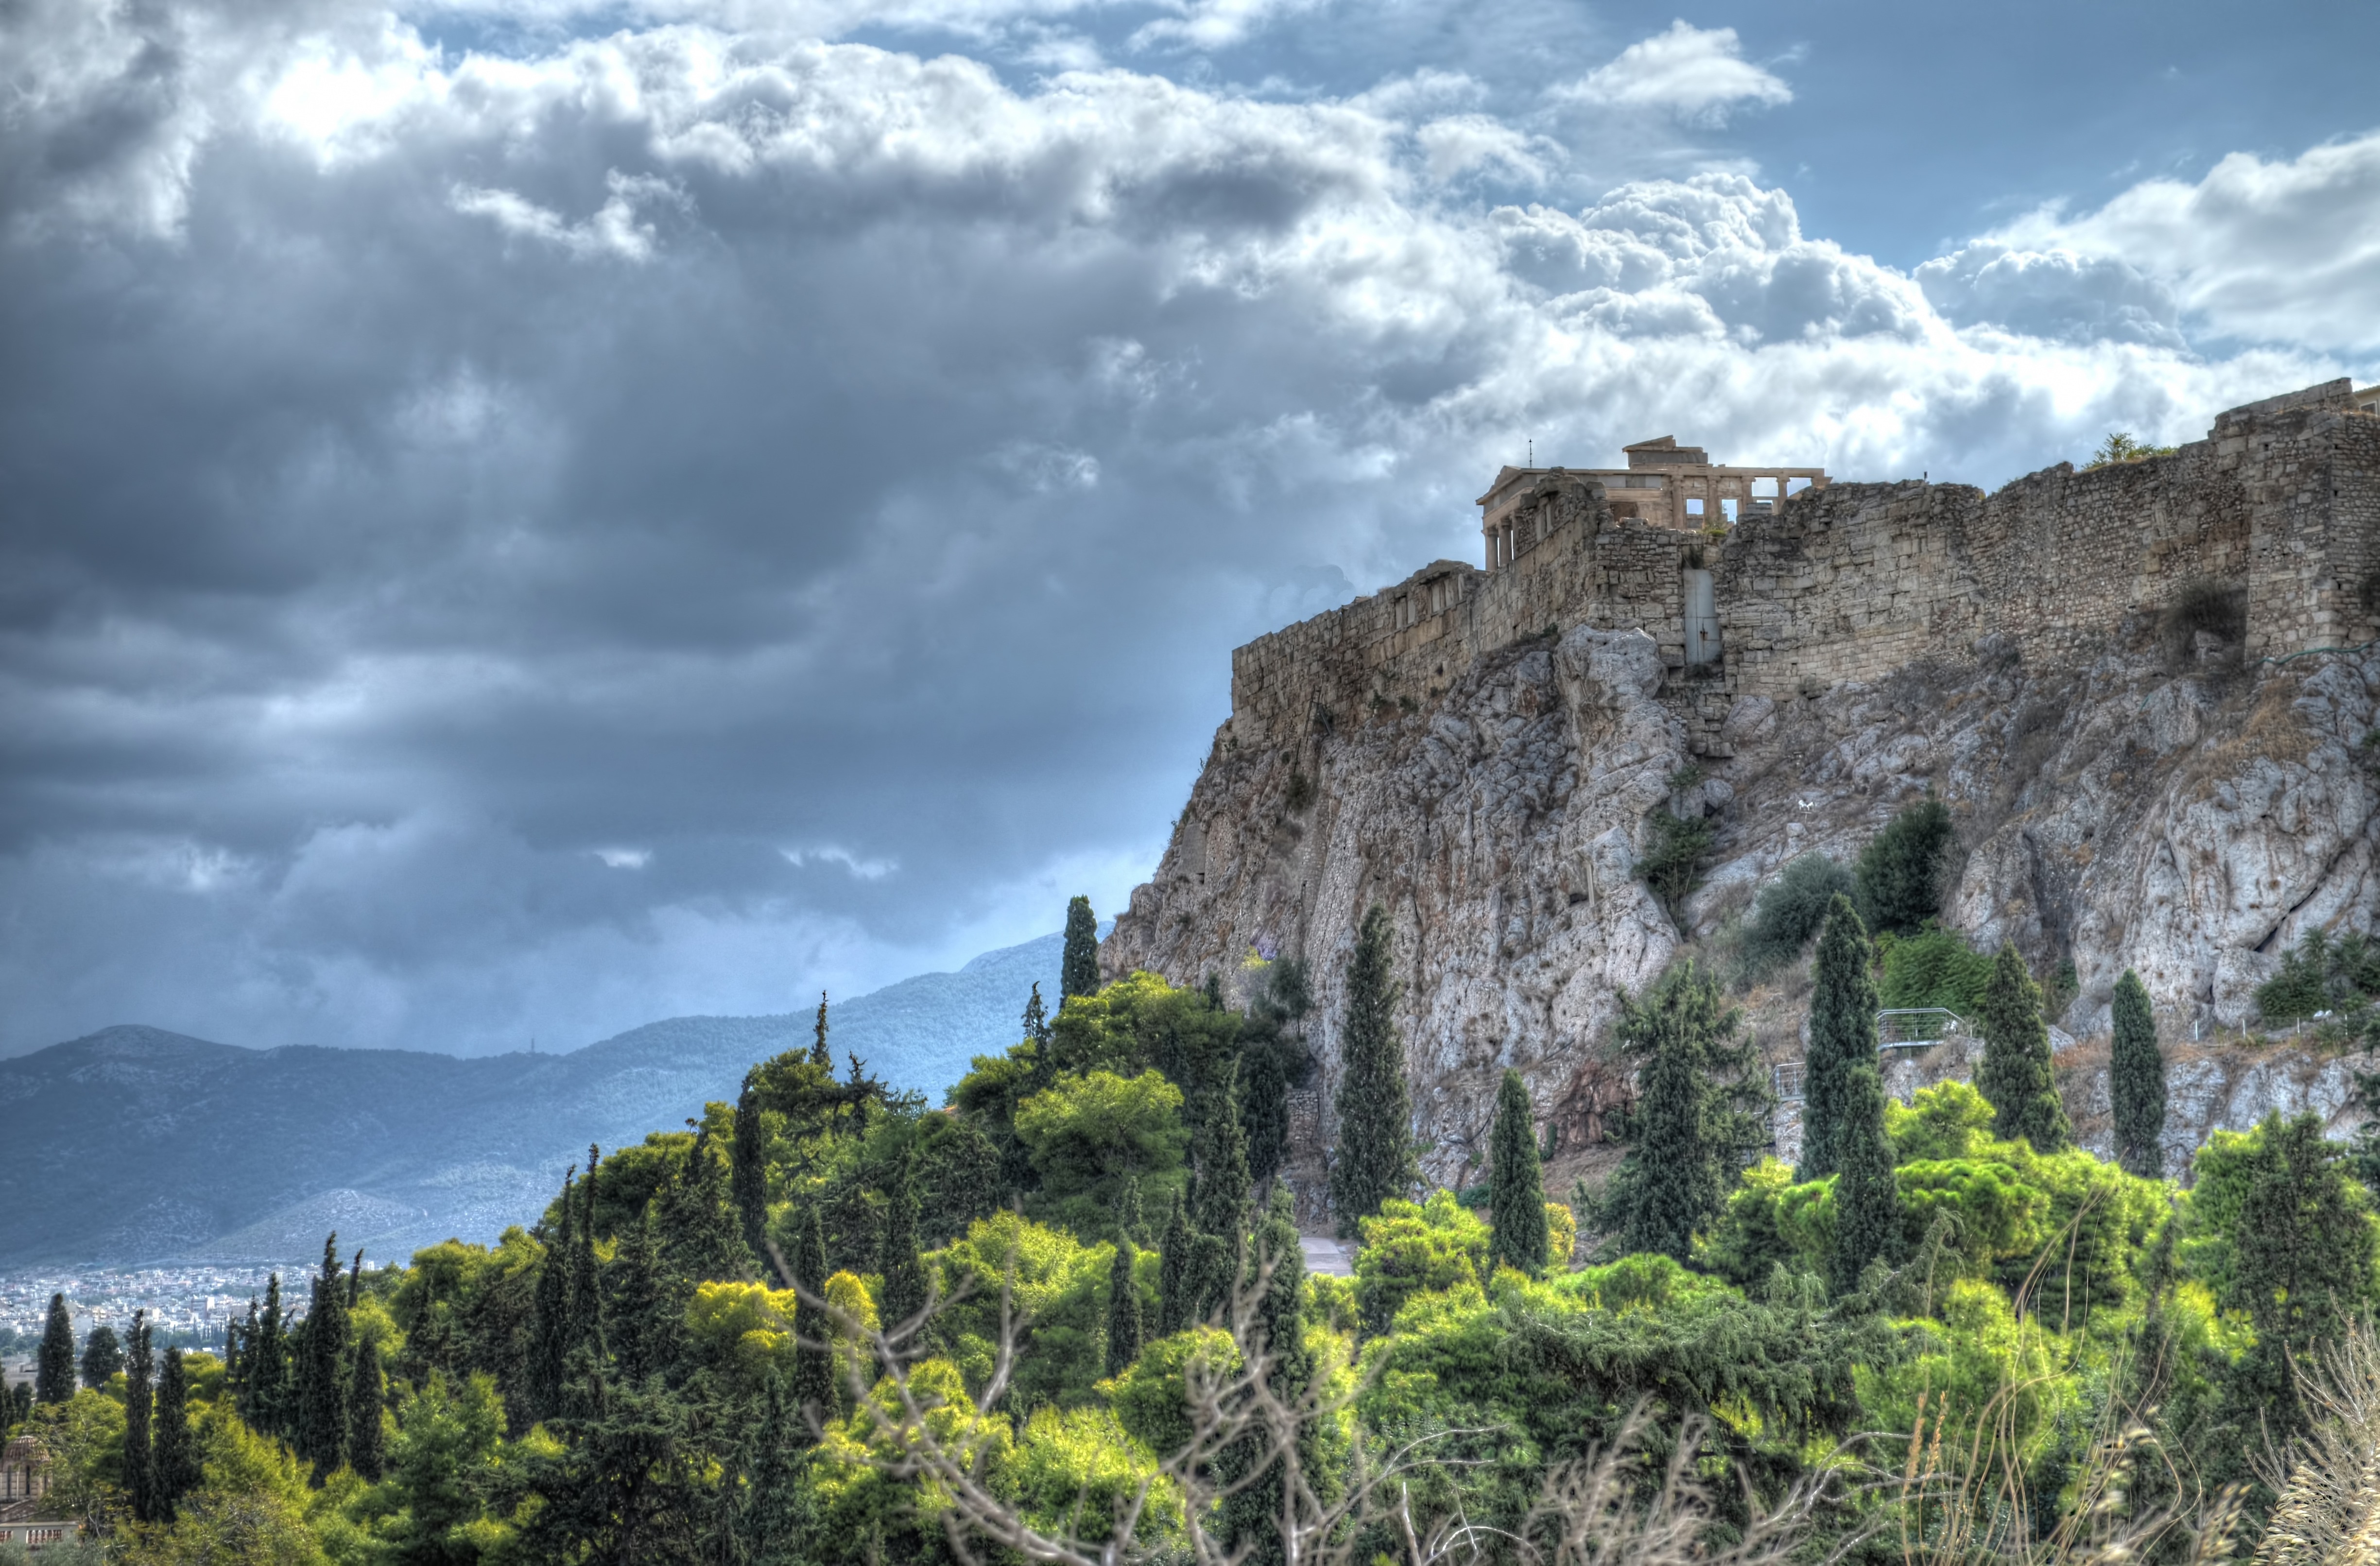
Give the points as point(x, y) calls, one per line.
point(1853, 581)
point(2313, 477)
point(1586, 568)
point(1846, 583)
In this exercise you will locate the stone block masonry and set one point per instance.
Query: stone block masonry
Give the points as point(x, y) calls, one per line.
point(1849, 581)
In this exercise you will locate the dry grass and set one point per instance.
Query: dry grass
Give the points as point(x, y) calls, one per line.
point(2329, 1514)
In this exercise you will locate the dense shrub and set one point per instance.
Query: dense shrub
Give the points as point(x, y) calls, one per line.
point(1671, 866)
point(2321, 974)
point(1934, 967)
point(1905, 869)
point(1789, 912)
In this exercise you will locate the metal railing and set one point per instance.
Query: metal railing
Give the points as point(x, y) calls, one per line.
point(1917, 1027)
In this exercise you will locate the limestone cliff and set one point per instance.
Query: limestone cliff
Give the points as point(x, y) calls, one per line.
point(2184, 806)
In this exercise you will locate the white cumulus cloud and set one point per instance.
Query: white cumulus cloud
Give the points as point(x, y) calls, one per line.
point(1697, 74)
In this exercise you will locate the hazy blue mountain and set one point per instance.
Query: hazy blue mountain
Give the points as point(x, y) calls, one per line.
point(138, 1144)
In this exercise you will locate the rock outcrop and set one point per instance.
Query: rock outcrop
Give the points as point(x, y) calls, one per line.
point(2153, 789)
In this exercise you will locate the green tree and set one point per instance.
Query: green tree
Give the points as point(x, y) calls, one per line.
point(905, 1292)
point(367, 1452)
point(1842, 1034)
point(1124, 1307)
point(813, 1380)
point(818, 1053)
point(550, 1334)
point(1174, 1312)
point(1089, 1135)
point(53, 1376)
point(702, 1235)
point(1276, 1329)
point(265, 1367)
point(1374, 1160)
point(2301, 1259)
point(444, 1469)
point(1903, 872)
point(1079, 968)
point(644, 1304)
point(1696, 1112)
point(2121, 447)
point(1789, 912)
point(747, 1180)
point(2015, 1073)
point(174, 1457)
point(102, 1354)
point(1222, 1197)
point(322, 1372)
point(1867, 1204)
point(1516, 1197)
point(139, 1460)
point(2136, 1081)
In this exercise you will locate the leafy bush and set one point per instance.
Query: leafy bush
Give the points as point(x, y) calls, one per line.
point(2121, 448)
point(1934, 967)
point(1416, 1249)
point(1672, 862)
point(2322, 974)
point(1789, 912)
point(1904, 869)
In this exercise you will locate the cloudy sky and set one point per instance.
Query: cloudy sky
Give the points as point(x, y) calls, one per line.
point(519, 519)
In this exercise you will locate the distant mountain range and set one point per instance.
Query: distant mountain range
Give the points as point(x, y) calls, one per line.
point(135, 1145)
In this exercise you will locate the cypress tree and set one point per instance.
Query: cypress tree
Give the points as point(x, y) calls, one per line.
point(140, 1463)
point(646, 1305)
point(1842, 1034)
point(1375, 1157)
point(747, 1180)
point(102, 1355)
point(2015, 1073)
point(1173, 1314)
point(1276, 1328)
point(2136, 1081)
point(1223, 1201)
point(702, 1237)
point(1695, 1115)
point(1867, 1203)
point(174, 1453)
point(323, 1373)
point(367, 1451)
point(818, 1053)
point(1123, 1308)
point(550, 1334)
point(1078, 969)
point(813, 1383)
point(53, 1376)
point(583, 1304)
point(1516, 1199)
point(906, 1290)
point(1264, 1109)
point(268, 1372)
point(1129, 1218)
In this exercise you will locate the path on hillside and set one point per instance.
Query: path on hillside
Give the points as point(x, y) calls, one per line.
point(1325, 1254)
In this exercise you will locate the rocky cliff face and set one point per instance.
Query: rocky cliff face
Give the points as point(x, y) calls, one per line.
point(2186, 819)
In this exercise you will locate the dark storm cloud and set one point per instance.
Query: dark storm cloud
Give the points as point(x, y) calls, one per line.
point(528, 542)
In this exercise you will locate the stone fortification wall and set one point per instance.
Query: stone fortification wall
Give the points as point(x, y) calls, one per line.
point(1853, 581)
point(1405, 644)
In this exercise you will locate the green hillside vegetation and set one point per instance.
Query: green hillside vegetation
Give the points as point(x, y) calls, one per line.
point(1065, 1317)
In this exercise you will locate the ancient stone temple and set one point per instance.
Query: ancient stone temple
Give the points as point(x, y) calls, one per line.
point(26, 1517)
